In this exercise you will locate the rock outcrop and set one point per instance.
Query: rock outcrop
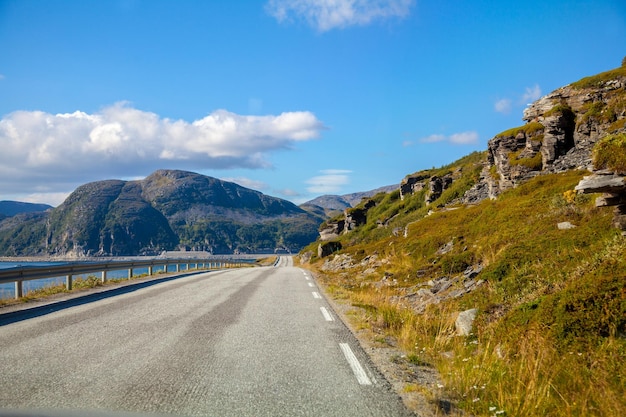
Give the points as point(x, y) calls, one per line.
point(560, 131)
point(352, 218)
point(613, 189)
point(435, 185)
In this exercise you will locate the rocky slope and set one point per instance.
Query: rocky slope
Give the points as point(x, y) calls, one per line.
point(165, 211)
point(497, 271)
point(560, 133)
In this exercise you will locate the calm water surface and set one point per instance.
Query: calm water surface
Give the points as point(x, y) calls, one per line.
point(8, 290)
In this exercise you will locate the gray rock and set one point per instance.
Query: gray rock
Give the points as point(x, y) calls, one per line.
point(565, 226)
point(465, 321)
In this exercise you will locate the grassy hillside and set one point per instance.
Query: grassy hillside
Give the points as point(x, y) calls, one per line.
point(550, 334)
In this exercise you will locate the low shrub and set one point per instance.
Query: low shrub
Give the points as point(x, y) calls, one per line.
point(610, 153)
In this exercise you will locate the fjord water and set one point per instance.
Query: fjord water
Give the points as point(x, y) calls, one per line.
point(8, 290)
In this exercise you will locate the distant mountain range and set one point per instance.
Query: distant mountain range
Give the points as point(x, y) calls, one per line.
point(11, 208)
point(165, 211)
point(333, 204)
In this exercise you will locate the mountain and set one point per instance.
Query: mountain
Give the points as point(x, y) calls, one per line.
point(333, 204)
point(11, 208)
point(167, 210)
point(500, 273)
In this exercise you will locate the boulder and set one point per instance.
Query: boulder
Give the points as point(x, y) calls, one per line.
point(327, 248)
point(465, 321)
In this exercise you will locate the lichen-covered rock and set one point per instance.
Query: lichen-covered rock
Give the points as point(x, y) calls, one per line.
point(328, 248)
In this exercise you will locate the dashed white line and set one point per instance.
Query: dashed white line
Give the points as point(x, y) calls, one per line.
point(326, 314)
point(310, 284)
point(354, 363)
point(316, 295)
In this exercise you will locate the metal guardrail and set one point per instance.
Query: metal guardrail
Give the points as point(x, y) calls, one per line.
point(19, 274)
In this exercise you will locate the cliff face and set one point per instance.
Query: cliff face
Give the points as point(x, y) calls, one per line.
point(165, 211)
point(560, 131)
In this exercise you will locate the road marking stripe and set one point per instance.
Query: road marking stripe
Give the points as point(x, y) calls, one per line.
point(326, 314)
point(354, 363)
point(316, 295)
point(310, 284)
point(306, 277)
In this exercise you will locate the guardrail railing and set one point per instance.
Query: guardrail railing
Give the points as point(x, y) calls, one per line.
point(19, 274)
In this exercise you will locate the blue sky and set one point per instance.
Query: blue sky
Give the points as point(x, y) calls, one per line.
point(294, 98)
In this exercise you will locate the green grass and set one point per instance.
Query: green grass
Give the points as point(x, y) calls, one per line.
point(610, 153)
point(598, 80)
point(529, 129)
point(550, 336)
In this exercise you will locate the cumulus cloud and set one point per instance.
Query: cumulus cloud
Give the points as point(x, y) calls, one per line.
point(44, 153)
point(325, 15)
point(462, 138)
point(503, 106)
point(329, 182)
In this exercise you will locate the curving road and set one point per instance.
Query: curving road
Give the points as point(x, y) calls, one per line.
point(248, 342)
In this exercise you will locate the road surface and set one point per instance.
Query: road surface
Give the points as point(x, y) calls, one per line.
point(247, 342)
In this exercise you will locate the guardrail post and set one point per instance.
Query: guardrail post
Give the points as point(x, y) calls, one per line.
point(18, 289)
point(104, 277)
point(150, 270)
point(130, 273)
point(177, 267)
point(68, 282)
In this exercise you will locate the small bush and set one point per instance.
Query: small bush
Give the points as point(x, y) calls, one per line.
point(610, 153)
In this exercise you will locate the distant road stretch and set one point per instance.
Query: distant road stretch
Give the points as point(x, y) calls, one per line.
point(247, 342)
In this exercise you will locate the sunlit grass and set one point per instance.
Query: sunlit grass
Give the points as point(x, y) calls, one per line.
point(550, 336)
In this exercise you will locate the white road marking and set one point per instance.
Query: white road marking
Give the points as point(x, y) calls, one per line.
point(354, 363)
point(306, 277)
point(310, 284)
point(326, 314)
point(316, 295)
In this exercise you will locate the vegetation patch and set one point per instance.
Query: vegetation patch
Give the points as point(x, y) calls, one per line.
point(549, 337)
point(599, 80)
point(534, 163)
point(529, 129)
point(610, 153)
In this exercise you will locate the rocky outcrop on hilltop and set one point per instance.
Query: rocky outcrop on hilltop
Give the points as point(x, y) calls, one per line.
point(351, 219)
point(560, 132)
point(435, 185)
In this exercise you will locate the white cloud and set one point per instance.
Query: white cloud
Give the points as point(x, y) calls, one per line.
point(433, 139)
point(503, 106)
point(329, 182)
point(288, 192)
point(325, 15)
point(462, 138)
point(247, 182)
point(531, 94)
point(47, 153)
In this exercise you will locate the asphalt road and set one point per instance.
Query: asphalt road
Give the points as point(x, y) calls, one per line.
point(248, 342)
